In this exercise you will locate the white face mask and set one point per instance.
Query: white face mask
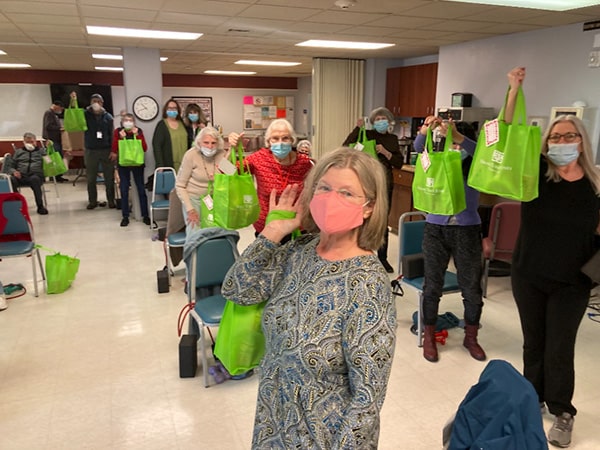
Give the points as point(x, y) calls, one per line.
point(29, 146)
point(96, 106)
point(208, 152)
point(128, 125)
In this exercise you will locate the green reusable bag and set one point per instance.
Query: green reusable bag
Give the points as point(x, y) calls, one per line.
point(234, 196)
point(52, 162)
point(509, 167)
point(74, 118)
point(60, 271)
point(440, 188)
point(131, 152)
point(240, 343)
point(368, 146)
point(207, 216)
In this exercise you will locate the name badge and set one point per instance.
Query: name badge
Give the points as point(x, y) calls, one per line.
point(98, 134)
point(208, 201)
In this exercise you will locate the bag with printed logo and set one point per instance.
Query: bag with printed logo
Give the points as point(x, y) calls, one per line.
point(52, 163)
point(207, 213)
point(507, 156)
point(235, 201)
point(438, 186)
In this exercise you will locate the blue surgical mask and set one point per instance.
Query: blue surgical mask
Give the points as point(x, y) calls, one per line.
point(563, 154)
point(281, 149)
point(381, 126)
point(172, 114)
point(193, 117)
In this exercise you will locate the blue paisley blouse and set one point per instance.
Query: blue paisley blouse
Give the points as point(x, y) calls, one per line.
point(330, 336)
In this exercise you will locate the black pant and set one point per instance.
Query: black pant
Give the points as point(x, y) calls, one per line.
point(35, 182)
point(463, 243)
point(550, 313)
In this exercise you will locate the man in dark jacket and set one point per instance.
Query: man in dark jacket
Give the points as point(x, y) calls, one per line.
point(51, 130)
point(98, 143)
point(25, 168)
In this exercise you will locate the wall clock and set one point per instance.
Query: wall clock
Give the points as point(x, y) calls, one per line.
point(145, 108)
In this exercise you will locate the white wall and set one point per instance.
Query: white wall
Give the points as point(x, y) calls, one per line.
point(24, 105)
point(556, 60)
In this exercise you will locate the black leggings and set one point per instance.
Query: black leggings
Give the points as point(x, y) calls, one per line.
point(463, 243)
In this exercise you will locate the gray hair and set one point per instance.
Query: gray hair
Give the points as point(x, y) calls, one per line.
point(279, 123)
point(29, 135)
point(209, 131)
point(381, 111)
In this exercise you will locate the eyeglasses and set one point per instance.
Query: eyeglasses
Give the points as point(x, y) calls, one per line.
point(569, 137)
point(343, 193)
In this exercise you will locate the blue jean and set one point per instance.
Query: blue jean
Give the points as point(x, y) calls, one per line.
point(138, 178)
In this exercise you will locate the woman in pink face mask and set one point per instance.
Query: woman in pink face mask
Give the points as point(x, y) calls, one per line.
point(330, 318)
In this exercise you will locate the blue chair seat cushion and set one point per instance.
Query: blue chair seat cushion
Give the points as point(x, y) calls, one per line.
point(450, 282)
point(210, 309)
point(13, 248)
point(160, 204)
point(176, 239)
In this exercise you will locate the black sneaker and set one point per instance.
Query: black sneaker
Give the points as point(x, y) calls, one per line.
point(102, 204)
point(147, 220)
point(43, 211)
point(61, 179)
point(124, 221)
point(112, 205)
point(92, 205)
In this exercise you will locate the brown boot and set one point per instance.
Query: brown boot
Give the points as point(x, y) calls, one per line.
point(471, 344)
point(430, 352)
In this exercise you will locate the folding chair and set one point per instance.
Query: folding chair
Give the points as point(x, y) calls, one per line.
point(16, 233)
point(163, 184)
point(502, 236)
point(410, 239)
point(206, 270)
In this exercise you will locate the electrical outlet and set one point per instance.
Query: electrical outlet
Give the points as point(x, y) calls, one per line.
point(594, 60)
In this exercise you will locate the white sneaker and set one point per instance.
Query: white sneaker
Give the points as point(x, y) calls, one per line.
point(3, 304)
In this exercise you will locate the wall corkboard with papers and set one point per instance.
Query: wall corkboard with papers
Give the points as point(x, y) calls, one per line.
point(261, 110)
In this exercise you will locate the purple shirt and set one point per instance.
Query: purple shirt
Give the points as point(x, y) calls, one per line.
point(468, 216)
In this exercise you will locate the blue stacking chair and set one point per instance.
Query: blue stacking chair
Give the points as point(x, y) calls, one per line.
point(410, 238)
point(5, 184)
point(163, 184)
point(206, 270)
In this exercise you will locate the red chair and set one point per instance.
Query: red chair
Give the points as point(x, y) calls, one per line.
point(16, 233)
point(499, 244)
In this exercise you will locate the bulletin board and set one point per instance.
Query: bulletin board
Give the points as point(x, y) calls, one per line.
point(261, 110)
point(205, 104)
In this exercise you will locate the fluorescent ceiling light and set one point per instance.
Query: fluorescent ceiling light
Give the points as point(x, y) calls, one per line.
point(267, 63)
point(344, 44)
point(2, 52)
point(114, 69)
point(228, 72)
point(117, 57)
point(14, 66)
point(551, 5)
point(104, 56)
point(137, 33)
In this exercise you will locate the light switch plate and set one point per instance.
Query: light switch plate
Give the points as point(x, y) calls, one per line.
point(594, 60)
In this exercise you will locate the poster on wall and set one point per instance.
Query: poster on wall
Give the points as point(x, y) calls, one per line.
point(260, 110)
point(205, 104)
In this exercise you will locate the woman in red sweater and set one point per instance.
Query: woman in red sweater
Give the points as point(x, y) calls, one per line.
point(130, 131)
point(275, 166)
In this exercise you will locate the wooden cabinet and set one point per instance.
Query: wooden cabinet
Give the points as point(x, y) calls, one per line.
point(410, 90)
point(402, 199)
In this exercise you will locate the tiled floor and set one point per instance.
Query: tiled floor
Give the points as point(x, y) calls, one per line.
point(97, 368)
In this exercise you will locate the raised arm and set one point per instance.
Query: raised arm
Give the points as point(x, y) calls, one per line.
point(515, 80)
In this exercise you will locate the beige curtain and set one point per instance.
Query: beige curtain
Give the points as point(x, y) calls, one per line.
point(337, 101)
